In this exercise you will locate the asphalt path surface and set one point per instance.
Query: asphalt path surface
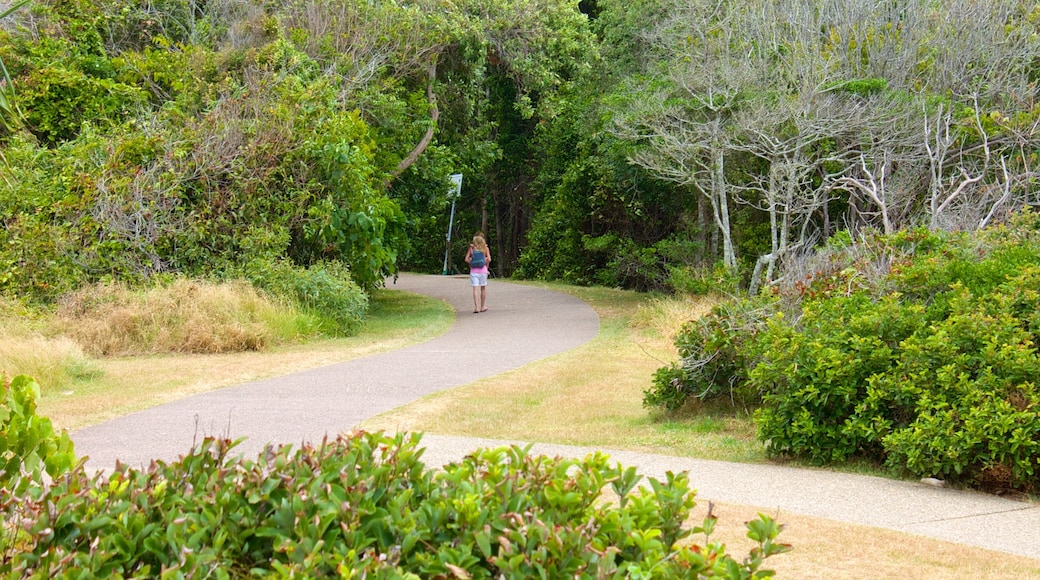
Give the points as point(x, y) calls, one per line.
point(522, 324)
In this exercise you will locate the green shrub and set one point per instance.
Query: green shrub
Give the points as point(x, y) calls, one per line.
point(716, 351)
point(815, 375)
point(917, 350)
point(965, 393)
point(29, 446)
point(365, 505)
point(325, 289)
point(700, 281)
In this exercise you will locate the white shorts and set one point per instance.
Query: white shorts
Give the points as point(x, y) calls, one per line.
point(477, 279)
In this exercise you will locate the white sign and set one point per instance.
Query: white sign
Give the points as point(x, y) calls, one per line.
point(456, 186)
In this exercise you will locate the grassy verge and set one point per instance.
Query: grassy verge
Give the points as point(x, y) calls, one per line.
point(116, 386)
point(591, 395)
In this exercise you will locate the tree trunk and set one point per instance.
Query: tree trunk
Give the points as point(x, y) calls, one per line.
point(721, 206)
point(435, 113)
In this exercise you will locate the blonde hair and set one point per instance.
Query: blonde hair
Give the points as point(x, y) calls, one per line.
point(479, 242)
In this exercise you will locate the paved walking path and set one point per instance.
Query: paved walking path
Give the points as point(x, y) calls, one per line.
point(524, 324)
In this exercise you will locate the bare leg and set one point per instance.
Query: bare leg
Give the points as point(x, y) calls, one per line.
point(483, 298)
point(475, 307)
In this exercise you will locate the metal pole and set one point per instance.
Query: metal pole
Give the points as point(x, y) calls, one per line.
point(447, 247)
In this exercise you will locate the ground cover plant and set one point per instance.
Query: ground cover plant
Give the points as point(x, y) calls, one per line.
point(916, 350)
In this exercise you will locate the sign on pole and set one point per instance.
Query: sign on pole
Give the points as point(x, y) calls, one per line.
point(453, 194)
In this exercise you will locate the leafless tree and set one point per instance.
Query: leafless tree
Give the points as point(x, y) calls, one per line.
point(844, 97)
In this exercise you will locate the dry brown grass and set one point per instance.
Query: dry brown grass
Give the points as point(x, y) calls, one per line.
point(665, 315)
point(591, 395)
point(131, 383)
point(54, 361)
point(188, 316)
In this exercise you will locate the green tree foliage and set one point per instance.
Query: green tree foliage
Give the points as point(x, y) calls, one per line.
point(363, 505)
point(10, 112)
point(914, 349)
point(197, 137)
point(244, 155)
point(597, 218)
point(808, 115)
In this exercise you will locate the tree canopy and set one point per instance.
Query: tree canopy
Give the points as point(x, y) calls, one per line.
point(624, 143)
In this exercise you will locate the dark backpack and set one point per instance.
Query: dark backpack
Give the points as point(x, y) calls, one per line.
point(476, 260)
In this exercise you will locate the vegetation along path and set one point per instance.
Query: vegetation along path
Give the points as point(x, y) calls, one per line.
point(524, 324)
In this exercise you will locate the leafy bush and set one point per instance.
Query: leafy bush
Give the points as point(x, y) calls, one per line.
point(815, 376)
point(716, 351)
point(969, 386)
point(325, 288)
point(699, 281)
point(366, 505)
point(917, 350)
point(29, 446)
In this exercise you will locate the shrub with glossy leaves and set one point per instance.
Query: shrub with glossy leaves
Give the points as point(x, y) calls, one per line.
point(917, 350)
point(29, 445)
point(364, 505)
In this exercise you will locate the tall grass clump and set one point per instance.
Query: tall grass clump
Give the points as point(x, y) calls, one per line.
point(26, 350)
point(183, 316)
point(666, 315)
point(59, 362)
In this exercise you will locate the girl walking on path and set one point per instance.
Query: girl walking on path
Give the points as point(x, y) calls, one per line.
point(479, 258)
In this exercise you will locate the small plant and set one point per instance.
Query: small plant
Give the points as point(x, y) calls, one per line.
point(716, 351)
point(325, 289)
point(29, 446)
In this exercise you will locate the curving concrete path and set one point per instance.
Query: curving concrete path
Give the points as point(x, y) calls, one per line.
point(524, 324)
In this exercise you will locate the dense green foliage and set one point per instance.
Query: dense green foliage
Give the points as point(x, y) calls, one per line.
point(200, 138)
point(744, 132)
point(609, 142)
point(365, 505)
point(324, 288)
point(29, 446)
point(916, 349)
